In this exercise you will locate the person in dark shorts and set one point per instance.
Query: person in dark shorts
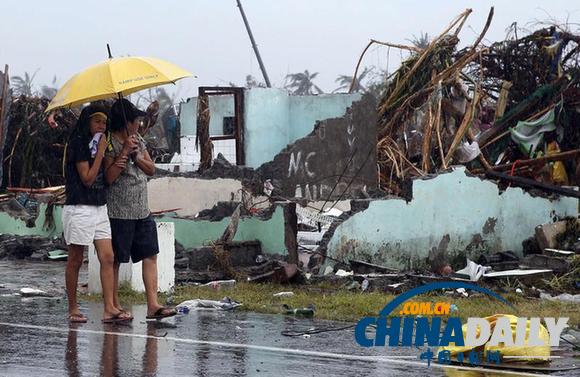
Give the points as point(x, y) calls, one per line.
point(127, 165)
point(84, 215)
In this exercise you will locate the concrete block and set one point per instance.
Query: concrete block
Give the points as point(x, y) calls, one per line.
point(546, 234)
point(131, 272)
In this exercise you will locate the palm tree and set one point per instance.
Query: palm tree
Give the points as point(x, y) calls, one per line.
point(49, 91)
point(422, 41)
point(345, 81)
point(23, 85)
point(301, 83)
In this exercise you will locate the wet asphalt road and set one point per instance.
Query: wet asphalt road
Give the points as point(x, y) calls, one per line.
point(36, 340)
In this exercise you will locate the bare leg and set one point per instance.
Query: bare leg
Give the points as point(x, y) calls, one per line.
point(106, 259)
point(150, 281)
point(116, 302)
point(73, 265)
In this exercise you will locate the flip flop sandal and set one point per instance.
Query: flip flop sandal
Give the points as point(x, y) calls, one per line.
point(129, 316)
point(169, 312)
point(77, 318)
point(117, 318)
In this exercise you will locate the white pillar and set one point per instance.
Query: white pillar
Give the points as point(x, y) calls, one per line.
point(131, 272)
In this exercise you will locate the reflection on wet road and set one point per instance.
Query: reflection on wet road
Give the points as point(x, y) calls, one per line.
point(36, 340)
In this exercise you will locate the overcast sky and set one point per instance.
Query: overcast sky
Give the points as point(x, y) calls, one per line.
point(208, 37)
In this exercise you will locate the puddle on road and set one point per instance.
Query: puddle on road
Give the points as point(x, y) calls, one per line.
point(169, 348)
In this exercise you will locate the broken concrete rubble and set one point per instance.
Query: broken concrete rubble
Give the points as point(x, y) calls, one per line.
point(35, 248)
point(241, 254)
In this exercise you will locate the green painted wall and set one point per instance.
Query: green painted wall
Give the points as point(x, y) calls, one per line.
point(477, 217)
point(195, 233)
point(190, 233)
point(11, 225)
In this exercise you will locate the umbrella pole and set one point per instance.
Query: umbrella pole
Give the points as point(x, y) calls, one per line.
point(133, 156)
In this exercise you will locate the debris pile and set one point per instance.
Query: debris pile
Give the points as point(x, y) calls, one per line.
point(35, 143)
point(36, 248)
point(511, 106)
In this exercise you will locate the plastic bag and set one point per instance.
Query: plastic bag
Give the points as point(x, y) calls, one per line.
point(525, 353)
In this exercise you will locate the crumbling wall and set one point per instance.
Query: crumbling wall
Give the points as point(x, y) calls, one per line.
point(269, 229)
point(338, 158)
point(273, 118)
point(12, 223)
point(190, 195)
point(453, 213)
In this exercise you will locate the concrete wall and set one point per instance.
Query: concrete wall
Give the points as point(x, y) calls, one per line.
point(272, 118)
point(191, 194)
point(219, 107)
point(193, 233)
point(306, 110)
point(266, 124)
point(475, 215)
point(337, 157)
point(132, 272)
point(12, 225)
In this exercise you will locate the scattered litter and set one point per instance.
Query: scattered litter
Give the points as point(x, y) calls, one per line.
point(395, 285)
point(519, 291)
point(283, 294)
point(343, 273)
point(333, 212)
point(511, 273)
point(328, 270)
point(527, 353)
point(220, 284)
point(306, 336)
point(224, 304)
point(58, 255)
point(559, 252)
point(563, 297)
point(473, 270)
point(462, 291)
point(353, 285)
point(31, 292)
point(365, 285)
point(300, 312)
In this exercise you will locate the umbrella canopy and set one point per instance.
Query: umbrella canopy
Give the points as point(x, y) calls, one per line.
point(116, 76)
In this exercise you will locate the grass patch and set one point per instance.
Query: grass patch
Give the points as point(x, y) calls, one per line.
point(342, 305)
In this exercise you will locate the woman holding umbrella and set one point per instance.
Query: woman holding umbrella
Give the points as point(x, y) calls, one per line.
point(127, 165)
point(84, 214)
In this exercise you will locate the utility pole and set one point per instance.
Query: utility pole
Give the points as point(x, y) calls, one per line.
point(254, 45)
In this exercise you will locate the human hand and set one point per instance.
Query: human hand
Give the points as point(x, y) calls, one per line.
point(121, 161)
point(131, 145)
point(102, 146)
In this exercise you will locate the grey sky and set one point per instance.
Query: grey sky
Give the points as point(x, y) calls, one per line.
point(208, 37)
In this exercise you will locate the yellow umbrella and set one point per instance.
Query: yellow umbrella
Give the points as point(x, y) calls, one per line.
point(114, 77)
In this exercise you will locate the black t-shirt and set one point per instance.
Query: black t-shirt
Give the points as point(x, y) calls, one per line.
point(76, 192)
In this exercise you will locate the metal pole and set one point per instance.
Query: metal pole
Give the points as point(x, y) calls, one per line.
point(254, 45)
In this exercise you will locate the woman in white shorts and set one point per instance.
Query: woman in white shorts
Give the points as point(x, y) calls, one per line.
point(84, 216)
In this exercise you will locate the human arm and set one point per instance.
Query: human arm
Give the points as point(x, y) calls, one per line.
point(144, 162)
point(88, 174)
point(115, 164)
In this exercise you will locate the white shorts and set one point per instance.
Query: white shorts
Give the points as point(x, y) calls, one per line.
point(84, 224)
